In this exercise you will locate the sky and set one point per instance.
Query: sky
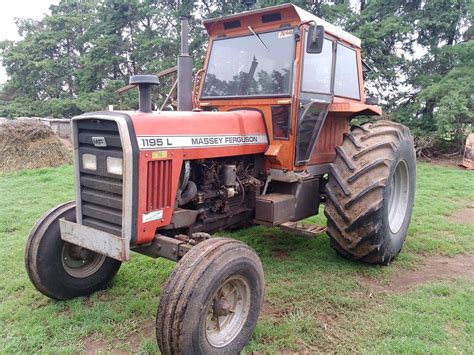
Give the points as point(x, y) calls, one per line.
point(34, 9)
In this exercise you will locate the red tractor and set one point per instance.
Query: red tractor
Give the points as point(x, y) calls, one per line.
point(264, 139)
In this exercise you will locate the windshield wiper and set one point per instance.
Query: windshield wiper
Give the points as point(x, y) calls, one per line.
point(258, 37)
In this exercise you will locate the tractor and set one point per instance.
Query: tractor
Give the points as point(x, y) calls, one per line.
point(263, 137)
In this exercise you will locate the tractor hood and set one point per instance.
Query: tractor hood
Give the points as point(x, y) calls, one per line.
point(216, 132)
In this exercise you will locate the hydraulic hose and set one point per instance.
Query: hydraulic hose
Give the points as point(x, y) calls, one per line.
point(188, 194)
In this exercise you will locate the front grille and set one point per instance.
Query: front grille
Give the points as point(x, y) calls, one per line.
point(158, 185)
point(101, 192)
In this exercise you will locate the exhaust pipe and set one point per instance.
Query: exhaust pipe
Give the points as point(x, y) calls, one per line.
point(185, 69)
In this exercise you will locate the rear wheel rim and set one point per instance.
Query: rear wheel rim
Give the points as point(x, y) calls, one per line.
point(79, 262)
point(399, 193)
point(228, 311)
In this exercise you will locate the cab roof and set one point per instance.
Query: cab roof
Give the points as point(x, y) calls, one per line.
point(286, 13)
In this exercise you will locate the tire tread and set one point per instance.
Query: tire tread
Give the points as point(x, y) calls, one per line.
point(354, 191)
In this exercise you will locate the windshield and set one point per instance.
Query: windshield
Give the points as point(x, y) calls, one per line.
point(243, 66)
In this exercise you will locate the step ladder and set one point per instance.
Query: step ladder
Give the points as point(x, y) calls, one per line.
point(305, 230)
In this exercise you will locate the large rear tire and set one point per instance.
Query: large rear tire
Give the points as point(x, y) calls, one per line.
point(370, 192)
point(212, 300)
point(61, 270)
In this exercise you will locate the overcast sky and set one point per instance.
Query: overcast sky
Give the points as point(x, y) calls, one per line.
point(20, 8)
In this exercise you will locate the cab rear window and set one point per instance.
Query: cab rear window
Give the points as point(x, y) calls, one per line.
point(346, 81)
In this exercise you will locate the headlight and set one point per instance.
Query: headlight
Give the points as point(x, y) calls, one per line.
point(89, 162)
point(114, 165)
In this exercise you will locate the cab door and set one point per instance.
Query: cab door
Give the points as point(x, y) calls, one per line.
point(316, 94)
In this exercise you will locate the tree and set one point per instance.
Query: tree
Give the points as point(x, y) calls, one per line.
point(440, 102)
point(73, 59)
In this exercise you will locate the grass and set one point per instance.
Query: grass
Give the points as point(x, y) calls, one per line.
point(315, 300)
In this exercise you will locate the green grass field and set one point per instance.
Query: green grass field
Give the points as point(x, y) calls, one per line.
point(315, 300)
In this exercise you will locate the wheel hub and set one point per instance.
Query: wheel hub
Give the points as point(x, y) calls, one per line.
point(228, 311)
point(221, 307)
point(79, 262)
point(399, 194)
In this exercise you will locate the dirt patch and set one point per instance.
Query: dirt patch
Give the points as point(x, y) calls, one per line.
point(285, 352)
point(148, 331)
point(464, 216)
point(280, 254)
point(326, 320)
point(450, 162)
point(435, 268)
point(270, 311)
point(94, 346)
point(29, 144)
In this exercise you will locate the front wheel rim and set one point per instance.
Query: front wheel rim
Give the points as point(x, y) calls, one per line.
point(227, 312)
point(399, 192)
point(79, 262)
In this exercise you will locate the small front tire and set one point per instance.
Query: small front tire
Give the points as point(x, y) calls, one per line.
point(61, 270)
point(211, 302)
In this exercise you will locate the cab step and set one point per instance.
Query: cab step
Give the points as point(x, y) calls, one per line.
point(305, 230)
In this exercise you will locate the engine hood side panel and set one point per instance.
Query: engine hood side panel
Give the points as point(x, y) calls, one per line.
point(166, 139)
point(202, 134)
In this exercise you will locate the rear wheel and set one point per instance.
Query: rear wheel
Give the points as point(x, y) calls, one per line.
point(370, 192)
point(211, 302)
point(61, 270)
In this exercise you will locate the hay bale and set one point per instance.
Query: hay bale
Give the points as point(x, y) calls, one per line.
point(29, 144)
point(468, 158)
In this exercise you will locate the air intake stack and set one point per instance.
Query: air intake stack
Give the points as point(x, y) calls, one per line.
point(144, 82)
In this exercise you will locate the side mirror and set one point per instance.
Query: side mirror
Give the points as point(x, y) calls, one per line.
point(315, 39)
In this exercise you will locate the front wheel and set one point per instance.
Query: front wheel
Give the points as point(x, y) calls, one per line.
point(211, 302)
point(61, 270)
point(370, 192)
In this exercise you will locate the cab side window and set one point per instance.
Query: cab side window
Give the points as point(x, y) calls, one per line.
point(346, 81)
point(314, 100)
point(317, 70)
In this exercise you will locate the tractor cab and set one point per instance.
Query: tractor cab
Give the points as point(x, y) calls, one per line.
point(303, 74)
